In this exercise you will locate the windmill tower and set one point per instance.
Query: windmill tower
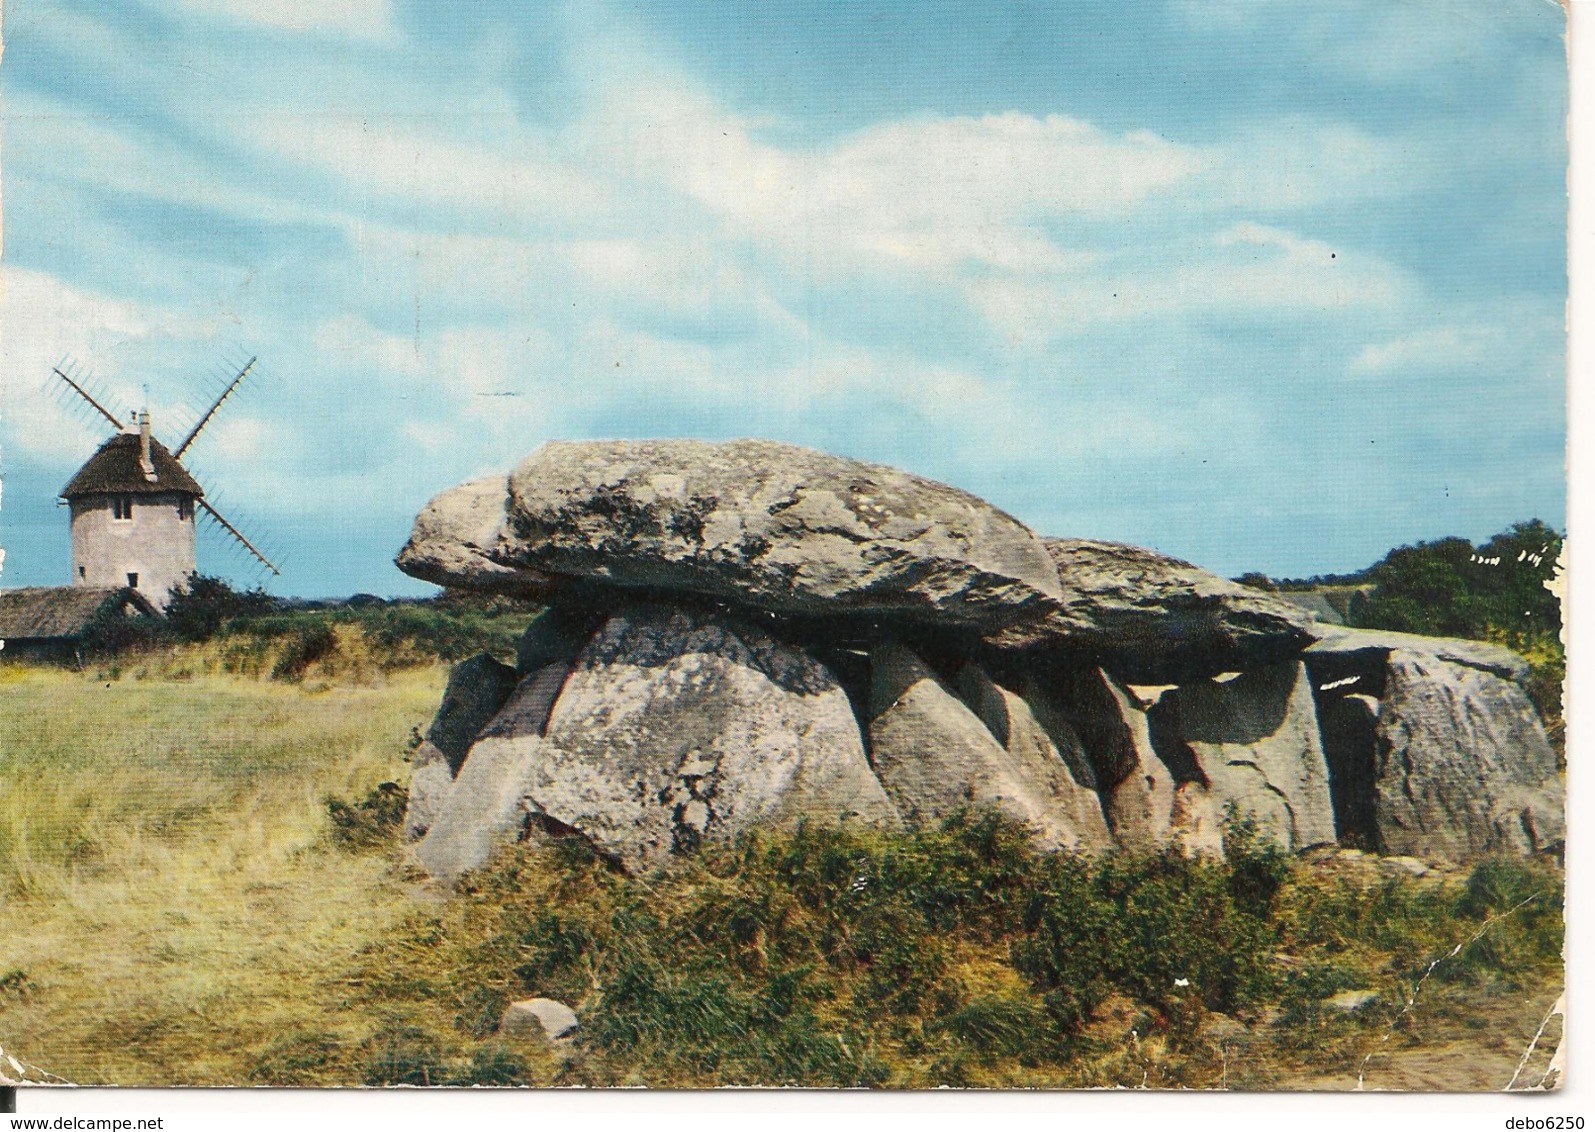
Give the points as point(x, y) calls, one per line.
point(134, 506)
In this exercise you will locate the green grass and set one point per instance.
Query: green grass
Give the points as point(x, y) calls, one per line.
point(318, 648)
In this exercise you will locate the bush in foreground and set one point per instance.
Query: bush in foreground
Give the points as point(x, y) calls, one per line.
point(954, 954)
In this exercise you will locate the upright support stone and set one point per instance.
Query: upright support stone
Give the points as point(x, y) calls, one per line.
point(476, 689)
point(430, 784)
point(679, 726)
point(1255, 743)
point(1464, 767)
point(1137, 787)
point(1045, 753)
point(487, 805)
point(934, 756)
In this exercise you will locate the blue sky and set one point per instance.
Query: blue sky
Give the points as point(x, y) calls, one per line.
point(1265, 285)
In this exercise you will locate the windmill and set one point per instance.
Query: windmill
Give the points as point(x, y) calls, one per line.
point(134, 504)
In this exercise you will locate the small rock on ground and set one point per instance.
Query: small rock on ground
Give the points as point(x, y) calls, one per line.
point(1403, 866)
point(538, 1018)
point(1351, 1001)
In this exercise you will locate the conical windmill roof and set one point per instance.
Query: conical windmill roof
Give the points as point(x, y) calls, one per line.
point(115, 470)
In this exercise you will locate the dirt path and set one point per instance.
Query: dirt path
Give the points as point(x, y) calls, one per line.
point(1460, 1042)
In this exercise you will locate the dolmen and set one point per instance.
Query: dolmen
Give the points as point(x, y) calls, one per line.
point(751, 633)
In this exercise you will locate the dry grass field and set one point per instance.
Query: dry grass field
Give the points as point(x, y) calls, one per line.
point(170, 901)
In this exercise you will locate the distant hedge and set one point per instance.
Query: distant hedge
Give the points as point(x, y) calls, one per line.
point(290, 635)
point(1452, 588)
point(1494, 591)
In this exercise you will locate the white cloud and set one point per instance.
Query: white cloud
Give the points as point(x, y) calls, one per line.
point(238, 439)
point(683, 276)
point(1381, 41)
point(349, 342)
point(358, 19)
point(44, 321)
point(958, 171)
point(1272, 269)
point(487, 362)
point(1296, 164)
point(1439, 347)
point(1513, 337)
point(1246, 269)
point(67, 151)
point(521, 177)
point(932, 193)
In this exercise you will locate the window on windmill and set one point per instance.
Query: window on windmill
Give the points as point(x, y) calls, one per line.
point(121, 507)
point(132, 580)
point(185, 510)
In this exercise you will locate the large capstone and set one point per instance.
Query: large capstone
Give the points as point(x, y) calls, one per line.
point(1152, 619)
point(1354, 659)
point(761, 525)
point(456, 536)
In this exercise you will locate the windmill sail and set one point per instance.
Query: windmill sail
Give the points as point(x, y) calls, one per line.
point(84, 393)
point(204, 420)
point(238, 535)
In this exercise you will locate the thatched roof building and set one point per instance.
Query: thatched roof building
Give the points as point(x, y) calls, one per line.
point(38, 619)
point(119, 468)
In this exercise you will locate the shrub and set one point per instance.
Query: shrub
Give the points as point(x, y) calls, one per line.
point(16, 982)
point(950, 954)
point(202, 608)
point(1498, 885)
point(999, 1026)
point(1518, 906)
point(209, 625)
point(406, 1055)
point(798, 957)
point(296, 1059)
point(493, 1066)
point(307, 645)
point(370, 821)
point(1303, 991)
point(1258, 867)
point(114, 632)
